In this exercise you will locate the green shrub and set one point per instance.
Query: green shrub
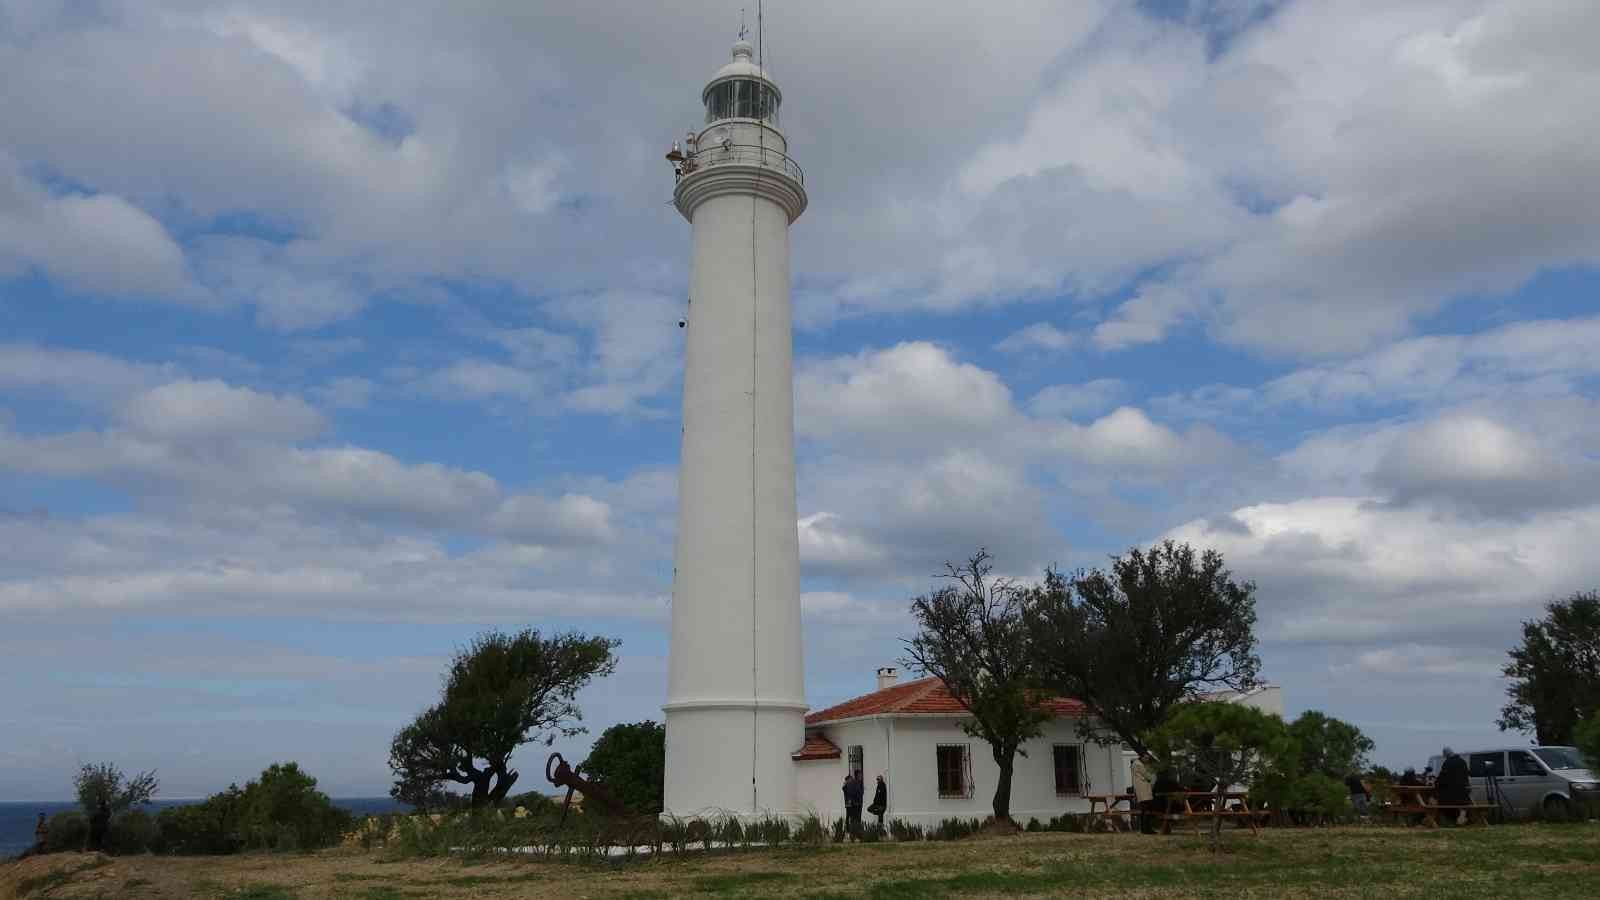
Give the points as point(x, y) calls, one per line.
point(1034, 826)
point(207, 828)
point(1324, 798)
point(811, 830)
point(730, 832)
point(283, 810)
point(955, 829)
point(773, 832)
point(871, 834)
point(838, 831)
point(675, 834)
point(901, 830)
point(1067, 822)
point(130, 833)
point(67, 831)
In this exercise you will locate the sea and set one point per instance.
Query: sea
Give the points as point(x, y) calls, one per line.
point(18, 819)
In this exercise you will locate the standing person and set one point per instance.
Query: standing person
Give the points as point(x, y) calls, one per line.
point(1360, 795)
point(1142, 796)
point(1166, 795)
point(880, 800)
point(854, 790)
point(1454, 786)
point(40, 832)
point(846, 790)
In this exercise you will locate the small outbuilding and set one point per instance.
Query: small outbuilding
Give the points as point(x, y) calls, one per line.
point(910, 733)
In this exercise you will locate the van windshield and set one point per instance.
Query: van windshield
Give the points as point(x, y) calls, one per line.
point(1559, 757)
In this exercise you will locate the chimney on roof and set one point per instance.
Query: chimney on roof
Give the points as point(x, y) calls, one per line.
point(887, 676)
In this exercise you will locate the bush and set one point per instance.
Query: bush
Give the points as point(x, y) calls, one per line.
point(772, 832)
point(872, 834)
point(730, 832)
point(1034, 826)
point(811, 831)
point(901, 830)
point(1072, 823)
point(955, 829)
point(839, 831)
point(67, 832)
point(131, 833)
point(208, 828)
point(283, 810)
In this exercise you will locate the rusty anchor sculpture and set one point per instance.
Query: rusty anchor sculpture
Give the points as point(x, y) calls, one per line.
point(595, 796)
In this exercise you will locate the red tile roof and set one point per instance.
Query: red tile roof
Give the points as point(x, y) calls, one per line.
point(924, 696)
point(816, 747)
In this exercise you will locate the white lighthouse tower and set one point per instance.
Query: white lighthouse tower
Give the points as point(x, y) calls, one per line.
point(735, 709)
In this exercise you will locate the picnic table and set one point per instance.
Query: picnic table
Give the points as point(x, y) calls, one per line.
point(1422, 800)
point(1109, 810)
point(1199, 805)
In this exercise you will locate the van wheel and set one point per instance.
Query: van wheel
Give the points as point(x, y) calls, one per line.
point(1557, 809)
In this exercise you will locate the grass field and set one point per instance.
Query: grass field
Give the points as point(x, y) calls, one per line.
point(1544, 861)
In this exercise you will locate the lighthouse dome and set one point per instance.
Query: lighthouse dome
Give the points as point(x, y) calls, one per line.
point(742, 90)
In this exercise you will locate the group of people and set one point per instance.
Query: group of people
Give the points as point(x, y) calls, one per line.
point(854, 792)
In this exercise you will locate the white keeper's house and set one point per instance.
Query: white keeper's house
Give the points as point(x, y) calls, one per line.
point(910, 733)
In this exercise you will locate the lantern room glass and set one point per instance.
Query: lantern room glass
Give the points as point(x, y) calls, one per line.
point(742, 98)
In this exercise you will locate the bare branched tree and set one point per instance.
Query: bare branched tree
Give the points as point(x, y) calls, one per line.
point(972, 636)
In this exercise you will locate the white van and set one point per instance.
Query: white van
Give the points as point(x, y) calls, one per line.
point(1552, 780)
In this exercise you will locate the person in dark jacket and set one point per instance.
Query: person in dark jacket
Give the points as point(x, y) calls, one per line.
point(1164, 795)
point(41, 832)
point(1454, 785)
point(880, 800)
point(1360, 796)
point(854, 790)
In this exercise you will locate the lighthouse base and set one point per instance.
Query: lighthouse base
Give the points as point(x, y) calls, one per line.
point(732, 757)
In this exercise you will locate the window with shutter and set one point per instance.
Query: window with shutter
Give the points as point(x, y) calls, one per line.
point(954, 770)
point(1069, 770)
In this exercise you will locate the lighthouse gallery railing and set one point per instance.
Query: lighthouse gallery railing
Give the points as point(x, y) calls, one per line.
point(748, 155)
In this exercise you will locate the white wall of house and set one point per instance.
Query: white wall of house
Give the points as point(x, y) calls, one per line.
point(904, 750)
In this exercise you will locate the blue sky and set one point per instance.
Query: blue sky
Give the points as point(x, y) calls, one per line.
point(328, 341)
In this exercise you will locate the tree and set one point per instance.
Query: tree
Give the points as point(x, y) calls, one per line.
point(971, 636)
point(283, 810)
point(1330, 746)
point(501, 692)
point(1587, 738)
point(1223, 744)
point(1163, 626)
point(631, 761)
point(105, 787)
point(1555, 672)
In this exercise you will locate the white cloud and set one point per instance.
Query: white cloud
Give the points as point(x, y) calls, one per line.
point(911, 392)
point(81, 376)
point(1068, 400)
point(1040, 336)
point(96, 243)
point(1356, 569)
point(569, 518)
point(197, 410)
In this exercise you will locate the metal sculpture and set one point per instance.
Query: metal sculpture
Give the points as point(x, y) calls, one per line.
point(595, 796)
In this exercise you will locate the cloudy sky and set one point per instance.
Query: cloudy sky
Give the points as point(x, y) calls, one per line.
point(331, 337)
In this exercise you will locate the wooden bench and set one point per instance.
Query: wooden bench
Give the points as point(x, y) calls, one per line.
point(1419, 800)
point(1109, 814)
point(1477, 814)
point(1190, 798)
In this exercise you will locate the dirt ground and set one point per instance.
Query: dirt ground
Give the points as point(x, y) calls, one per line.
point(1504, 861)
